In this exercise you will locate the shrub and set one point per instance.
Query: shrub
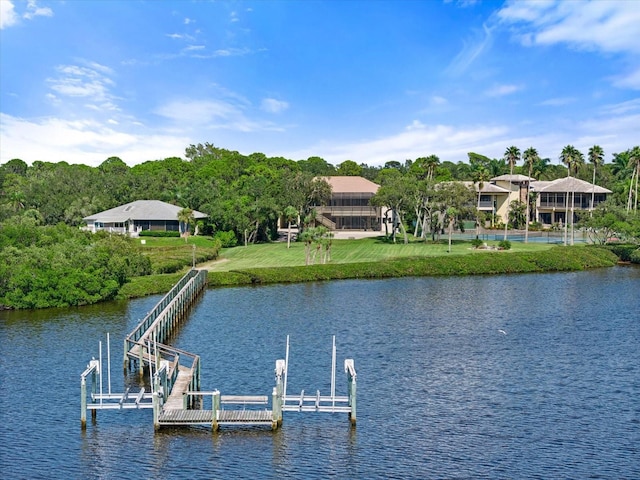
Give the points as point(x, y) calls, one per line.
point(535, 226)
point(635, 256)
point(623, 251)
point(476, 242)
point(505, 244)
point(159, 233)
point(227, 239)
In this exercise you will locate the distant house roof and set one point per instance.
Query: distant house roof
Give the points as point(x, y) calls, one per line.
point(141, 210)
point(567, 184)
point(347, 184)
point(513, 178)
point(487, 187)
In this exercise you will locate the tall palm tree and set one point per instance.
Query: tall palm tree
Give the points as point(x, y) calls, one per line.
point(511, 156)
point(596, 158)
point(480, 176)
point(540, 168)
point(530, 157)
point(185, 219)
point(290, 214)
point(573, 159)
point(633, 163)
point(431, 162)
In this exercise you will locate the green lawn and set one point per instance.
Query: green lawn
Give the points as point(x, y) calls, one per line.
point(344, 251)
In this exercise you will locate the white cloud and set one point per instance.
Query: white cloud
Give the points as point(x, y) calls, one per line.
point(622, 108)
point(557, 102)
point(231, 52)
point(81, 141)
point(415, 140)
point(8, 15)
point(610, 26)
point(614, 127)
point(437, 100)
point(272, 105)
point(212, 114)
point(80, 81)
point(181, 36)
point(502, 90)
point(471, 50)
point(630, 80)
point(33, 10)
point(195, 112)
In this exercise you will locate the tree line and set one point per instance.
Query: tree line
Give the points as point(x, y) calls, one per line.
point(246, 194)
point(46, 260)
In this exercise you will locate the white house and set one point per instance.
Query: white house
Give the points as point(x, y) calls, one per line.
point(136, 216)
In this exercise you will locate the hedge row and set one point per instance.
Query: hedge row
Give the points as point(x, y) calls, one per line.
point(159, 233)
point(626, 252)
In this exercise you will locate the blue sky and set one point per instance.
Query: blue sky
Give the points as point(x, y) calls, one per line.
point(368, 81)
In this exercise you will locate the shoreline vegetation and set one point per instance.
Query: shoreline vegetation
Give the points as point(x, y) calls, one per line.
point(230, 270)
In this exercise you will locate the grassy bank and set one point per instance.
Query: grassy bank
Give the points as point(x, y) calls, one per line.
point(169, 255)
point(550, 260)
point(466, 262)
point(347, 251)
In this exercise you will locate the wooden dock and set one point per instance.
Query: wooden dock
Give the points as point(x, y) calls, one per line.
point(176, 396)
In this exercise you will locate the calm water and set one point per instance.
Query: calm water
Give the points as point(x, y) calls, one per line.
point(442, 392)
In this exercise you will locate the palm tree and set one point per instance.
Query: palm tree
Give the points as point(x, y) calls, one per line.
point(185, 219)
point(431, 162)
point(511, 156)
point(451, 214)
point(540, 168)
point(530, 157)
point(573, 159)
point(497, 167)
point(480, 176)
point(596, 157)
point(290, 214)
point(633, 163)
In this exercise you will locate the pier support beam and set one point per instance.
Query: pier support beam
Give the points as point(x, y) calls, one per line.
point(276, 409)
point(350, 368)
point(92, 369)
point(215, 401)
point(83, 403)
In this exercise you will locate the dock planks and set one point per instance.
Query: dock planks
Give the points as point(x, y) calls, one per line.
point(237, 417)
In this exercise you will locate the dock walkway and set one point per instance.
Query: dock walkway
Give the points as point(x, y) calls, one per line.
point(176, 396)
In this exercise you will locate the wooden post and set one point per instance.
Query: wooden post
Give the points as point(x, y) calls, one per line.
point(280, 371)
point(215, 401)
point(156, 403)
point(126, 357)
point(350, 368)
point(92, 369)
point(141, 362)
point(275, 409)
point(83, 402)
point(352, 401)
point(94, 388)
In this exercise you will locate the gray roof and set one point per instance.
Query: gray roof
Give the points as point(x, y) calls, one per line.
point(487, 187)
point(141, 210)
point(567, 184)
point(513, 178)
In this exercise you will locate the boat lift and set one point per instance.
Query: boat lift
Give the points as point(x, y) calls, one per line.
point(319, 403)
point(191, 412)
